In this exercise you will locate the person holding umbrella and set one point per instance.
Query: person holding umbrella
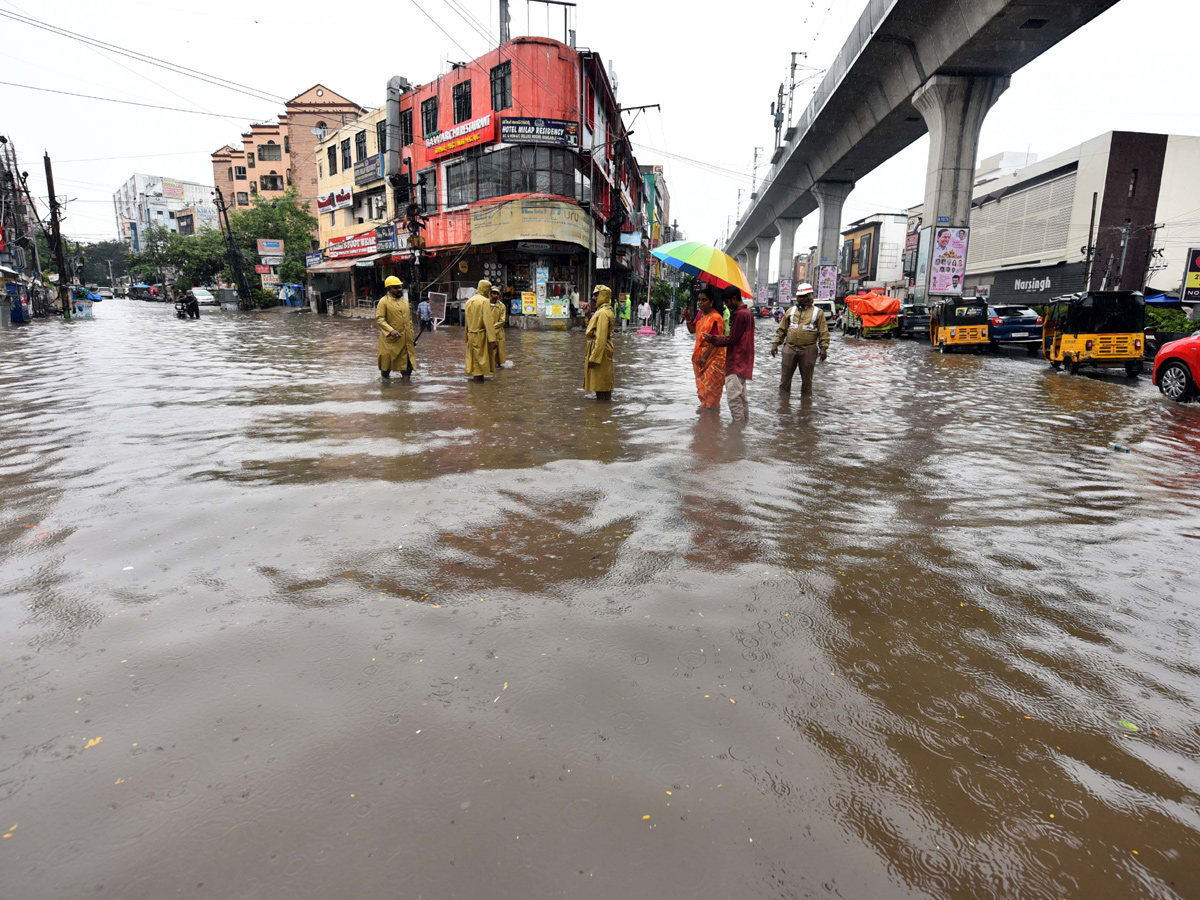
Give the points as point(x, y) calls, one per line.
point(708, 361)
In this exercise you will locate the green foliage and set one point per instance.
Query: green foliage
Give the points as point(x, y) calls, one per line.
point(1172, 320)
point(662, 295)
point(277, 218)
point(97, 257)
point(200, 258)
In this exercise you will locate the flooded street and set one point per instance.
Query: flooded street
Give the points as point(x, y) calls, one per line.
point(272, 629)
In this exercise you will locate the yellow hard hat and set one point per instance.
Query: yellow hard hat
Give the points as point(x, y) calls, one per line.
point(392, 281)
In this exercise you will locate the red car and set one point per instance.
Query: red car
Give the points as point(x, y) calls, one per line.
point(1177, 369)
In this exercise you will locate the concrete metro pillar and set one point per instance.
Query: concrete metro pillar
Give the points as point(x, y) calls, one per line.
point(787, 252)
point(954, 107)
point(831, 195)
point(749, 267)
point(764, 243)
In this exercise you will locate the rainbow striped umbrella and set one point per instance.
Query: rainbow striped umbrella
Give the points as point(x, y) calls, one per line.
point(705, 262)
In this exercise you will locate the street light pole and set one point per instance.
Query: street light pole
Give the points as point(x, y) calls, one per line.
point(63, 293)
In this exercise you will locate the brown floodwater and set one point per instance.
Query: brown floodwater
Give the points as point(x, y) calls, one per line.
point(272, 629)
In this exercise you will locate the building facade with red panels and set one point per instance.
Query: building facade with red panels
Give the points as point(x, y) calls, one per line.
point(522, 172)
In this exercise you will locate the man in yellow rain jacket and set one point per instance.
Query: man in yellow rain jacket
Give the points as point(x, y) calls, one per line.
point(598, 375)
point(499, 313)
point(397, 348)
point(481, 331)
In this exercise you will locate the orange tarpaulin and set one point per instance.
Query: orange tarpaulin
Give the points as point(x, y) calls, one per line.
point(874, 309)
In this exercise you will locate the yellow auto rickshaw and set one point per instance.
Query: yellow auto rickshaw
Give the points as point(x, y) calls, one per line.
point(959, 323)
point(1105, 329)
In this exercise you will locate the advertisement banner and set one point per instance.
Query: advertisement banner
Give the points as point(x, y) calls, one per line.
point(262, 270)
point(385, 238)
point(339, 199)
point(368, 169)
point(541, 276)
point(530, 220)
point(1191, 278)
point(921, 281)
point(270, 247)
point(172, 189)
point(460, 137)
point(948, 264)
point(271, 260)
point(545, 132)
point(827, 277)
point(269, 281)
point(557, 308)
point(354, 245)
point(528, 303)
point(312, 259)
point(785, 291)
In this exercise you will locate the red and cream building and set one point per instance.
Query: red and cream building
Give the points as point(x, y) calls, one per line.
point(520, 164)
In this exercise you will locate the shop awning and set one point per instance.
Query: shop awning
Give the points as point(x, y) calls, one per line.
point(7, 271)
point(372, 259)
point(332, 265)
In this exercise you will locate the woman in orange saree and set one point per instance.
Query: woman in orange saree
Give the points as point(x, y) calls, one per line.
point(708, 362)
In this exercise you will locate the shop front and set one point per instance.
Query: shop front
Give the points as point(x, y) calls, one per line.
point(352, 273)
point(1026, 286)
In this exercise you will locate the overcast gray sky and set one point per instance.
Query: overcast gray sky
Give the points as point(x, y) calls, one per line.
point(714, 67)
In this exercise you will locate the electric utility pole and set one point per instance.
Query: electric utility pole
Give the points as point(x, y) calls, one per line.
point(792, 86)
point(754, 173)
point(234, 254)
point(777, 113)
point(64, 295)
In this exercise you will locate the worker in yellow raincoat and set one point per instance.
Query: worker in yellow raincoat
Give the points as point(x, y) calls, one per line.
point(481, 331)
point(397, 348)
point(598, 375)
point(499, 313)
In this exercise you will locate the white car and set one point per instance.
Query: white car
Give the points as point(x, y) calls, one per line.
point(204, 298)
point(106, 293)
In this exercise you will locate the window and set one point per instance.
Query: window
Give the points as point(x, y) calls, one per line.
point(462, 101)
point(360, 146)
point(427, 196)
point(231, 173)
point(271, 182)
point(429, 117)
point(239, 172)
point(250, 160)
point(270, 152)
point(346, 155)
point(493, 174)
point(1133, 182)
point(864, 255)
point(406, 132)
point(287, 142)
point(502, 86)
point(288, 173)
point(847, 256)
point(254, 187)
point(460, 183)
point(331, 153)
point(243, 199)
point(381, 136)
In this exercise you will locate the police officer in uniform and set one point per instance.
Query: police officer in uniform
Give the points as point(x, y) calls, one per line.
point(804, 335)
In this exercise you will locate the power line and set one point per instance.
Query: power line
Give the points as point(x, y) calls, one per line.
point(215, 80)
point(194, 112)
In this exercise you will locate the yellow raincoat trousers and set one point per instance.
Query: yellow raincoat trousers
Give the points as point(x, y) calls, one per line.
point(499, 314)
point(398, 354)
point(481, 330)
point(599, 345)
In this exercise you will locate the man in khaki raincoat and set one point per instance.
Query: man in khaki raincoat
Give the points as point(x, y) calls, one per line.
point(598, 376)
point(396, 343)
point(499, 312)
point(481, 331)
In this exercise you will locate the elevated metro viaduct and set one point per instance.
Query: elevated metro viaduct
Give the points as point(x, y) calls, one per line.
point(909, 66)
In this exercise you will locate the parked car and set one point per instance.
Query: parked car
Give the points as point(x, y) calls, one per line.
point(1177, 369)
point(204, 297)
point(764, 312)
point(913, 320)
point(1015, 326)
point(106, 293)
point(827, 307)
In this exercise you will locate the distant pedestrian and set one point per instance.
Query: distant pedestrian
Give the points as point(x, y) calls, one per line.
point(739, 358)
point(708, 361)
point(397, 347)
point(499, 316)
point(623, 312)
point(425, 314)
point(644, 313)
point(598, 374)
point(804, 334)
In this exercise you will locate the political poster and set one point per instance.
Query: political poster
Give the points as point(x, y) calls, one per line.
point(827, 282)
point(948, 262)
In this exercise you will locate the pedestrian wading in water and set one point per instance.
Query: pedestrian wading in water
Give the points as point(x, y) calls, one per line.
point(499, 313)
point(598, 374)
point(739, 356)
point(708, 360)
point(397, 347)
point(804, 334)
point(480, 331)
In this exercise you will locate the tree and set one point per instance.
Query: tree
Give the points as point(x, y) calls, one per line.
point(201, 258)
point(98, 255)
point(277, 218)
point(160, 251)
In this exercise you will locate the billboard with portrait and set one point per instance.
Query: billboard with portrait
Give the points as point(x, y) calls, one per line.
point(948, 261)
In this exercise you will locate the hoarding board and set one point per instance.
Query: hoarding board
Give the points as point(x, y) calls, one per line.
point(1191, 278)
point(354, 245)
point(368, 169)
point(312, 259)
point(270, 281)
point(172, 189)
point(339, 199)
point(528, 303)
point(921, 280)
point(948, 264)
point(536, 220)
point(545, 132)
point(262, 270)
point(826, 282)
point(460, 137)
point(270, 247)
